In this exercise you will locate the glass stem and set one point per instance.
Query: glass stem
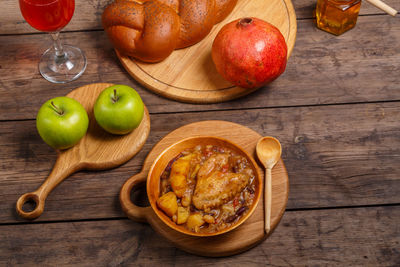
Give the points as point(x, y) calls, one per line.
point(57, 44)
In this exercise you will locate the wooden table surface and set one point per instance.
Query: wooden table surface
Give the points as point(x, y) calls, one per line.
point(336, 111)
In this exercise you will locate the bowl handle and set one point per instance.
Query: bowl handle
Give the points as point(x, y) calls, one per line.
point(134, 212)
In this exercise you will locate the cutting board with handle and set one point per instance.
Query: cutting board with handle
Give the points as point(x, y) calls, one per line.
point(97, 150)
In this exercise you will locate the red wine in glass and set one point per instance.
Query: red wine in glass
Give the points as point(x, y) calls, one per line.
point(47, 16)
point(60, 63)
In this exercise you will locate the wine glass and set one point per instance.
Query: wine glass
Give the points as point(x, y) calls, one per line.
point(60, 63)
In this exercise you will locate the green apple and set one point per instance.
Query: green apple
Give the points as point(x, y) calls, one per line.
point(119, 109)
point(62, 122)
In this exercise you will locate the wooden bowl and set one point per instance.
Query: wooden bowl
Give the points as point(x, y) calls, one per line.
point(161, 162)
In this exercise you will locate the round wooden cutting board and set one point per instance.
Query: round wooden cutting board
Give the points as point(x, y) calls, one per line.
point(244, 237)
point(189, 74)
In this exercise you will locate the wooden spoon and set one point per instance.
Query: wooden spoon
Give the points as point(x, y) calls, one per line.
point(381, 5)
point(269, 151)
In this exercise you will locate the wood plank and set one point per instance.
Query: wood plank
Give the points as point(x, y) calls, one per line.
point(87, 15)
point(340, 155)
point(342, 237)
point(361, 65)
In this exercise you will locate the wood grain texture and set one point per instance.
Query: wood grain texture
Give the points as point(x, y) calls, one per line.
point(97, 150)
point(337, 155)
point(189, 75)
point(335, 237)
point(333, 156)
point(323, 69)
point(87, 15)
point(247, 235)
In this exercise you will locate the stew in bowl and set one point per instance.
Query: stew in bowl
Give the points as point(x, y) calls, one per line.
point(204, 186)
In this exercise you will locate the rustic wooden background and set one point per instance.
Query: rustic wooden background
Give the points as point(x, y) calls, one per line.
point(336, 111)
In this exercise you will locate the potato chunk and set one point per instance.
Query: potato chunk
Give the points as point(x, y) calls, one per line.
point(194, 222)
point(168, 204)
point(186, 199)
point(209, 218)
point(179, 172)
point(183, 215)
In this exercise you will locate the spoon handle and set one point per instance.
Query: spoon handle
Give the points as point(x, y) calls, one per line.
point(267, 199)
point(381, 5)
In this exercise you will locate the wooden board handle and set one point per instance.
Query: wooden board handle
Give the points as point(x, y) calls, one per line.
point(136, 213)
point(60, 171)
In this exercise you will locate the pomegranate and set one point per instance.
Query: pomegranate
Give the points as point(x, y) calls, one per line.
point(249, 52)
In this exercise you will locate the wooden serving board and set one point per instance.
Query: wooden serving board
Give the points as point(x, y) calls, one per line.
point(97, 150)
point(189, 74)
point(247, 235)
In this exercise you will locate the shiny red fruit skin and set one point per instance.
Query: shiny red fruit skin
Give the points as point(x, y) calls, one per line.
point(249, 52)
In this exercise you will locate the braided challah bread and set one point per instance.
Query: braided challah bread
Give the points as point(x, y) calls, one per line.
point(150, 30)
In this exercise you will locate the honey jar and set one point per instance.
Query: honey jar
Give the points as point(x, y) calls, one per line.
point(337, 16)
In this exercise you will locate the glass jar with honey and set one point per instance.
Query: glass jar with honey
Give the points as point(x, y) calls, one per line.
point(337, 16)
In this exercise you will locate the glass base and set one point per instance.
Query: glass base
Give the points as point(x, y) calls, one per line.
point(62, 69)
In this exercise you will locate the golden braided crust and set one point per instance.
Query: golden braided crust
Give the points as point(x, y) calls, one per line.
point(150, 30)
point(224, 8)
